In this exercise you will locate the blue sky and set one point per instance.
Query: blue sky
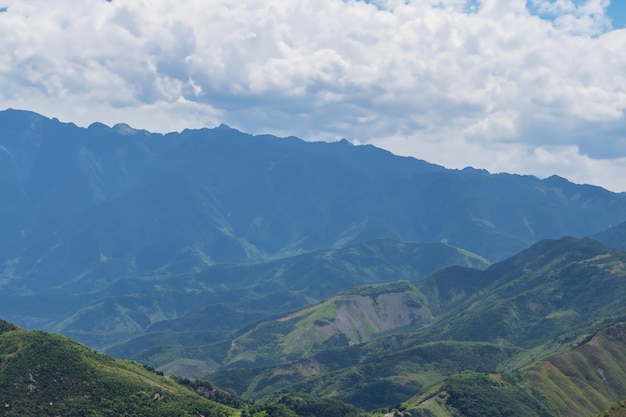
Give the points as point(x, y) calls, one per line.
point(617, 13)
point(526, 86)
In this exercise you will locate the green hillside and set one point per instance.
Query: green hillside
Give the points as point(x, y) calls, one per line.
point(617, 410)
point(352, 317)
point(555, 290)
point(48, 375)
point(374, 346)
point(583, 381)
point(578, 383)
point(43, 374)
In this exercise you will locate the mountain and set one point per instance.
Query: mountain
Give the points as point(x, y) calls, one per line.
point(276, 266)
point(86, 206)
point(89, 213)
point(375, 346)
point(162, 236)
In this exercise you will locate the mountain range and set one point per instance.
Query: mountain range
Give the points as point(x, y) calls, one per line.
point(87, 210)
point(85, 206)
point(312, 274)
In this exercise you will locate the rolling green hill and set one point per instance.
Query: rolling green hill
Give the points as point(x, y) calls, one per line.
point(49, 375)
point(581, 382)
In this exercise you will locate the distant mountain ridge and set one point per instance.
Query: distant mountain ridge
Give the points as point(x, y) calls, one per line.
point(86, 206)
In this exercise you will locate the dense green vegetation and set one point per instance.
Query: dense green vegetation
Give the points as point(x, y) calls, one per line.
point(577, 383)
point(307, 406)
point(381, 378)
point(478, 395)
point(48, 375)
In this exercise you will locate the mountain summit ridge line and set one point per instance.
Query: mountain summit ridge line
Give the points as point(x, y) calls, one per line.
point(88, 204)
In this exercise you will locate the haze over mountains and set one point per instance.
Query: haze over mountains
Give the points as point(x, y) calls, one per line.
point(342, 271)
point(86, 206)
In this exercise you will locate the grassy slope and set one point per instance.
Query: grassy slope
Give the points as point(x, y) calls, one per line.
point(584, 381)
point(579, 383)
point(354, 316)
point(542, 300)
point(49, 375)
point(616, 410)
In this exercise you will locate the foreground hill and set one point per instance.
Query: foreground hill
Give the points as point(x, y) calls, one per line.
point(378, 345)
point(87, 206)
point(48, 375)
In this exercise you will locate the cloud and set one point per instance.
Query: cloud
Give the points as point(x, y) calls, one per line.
point(492, 84)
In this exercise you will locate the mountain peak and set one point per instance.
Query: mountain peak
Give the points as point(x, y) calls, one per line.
point(124, 129)
point(344, 142)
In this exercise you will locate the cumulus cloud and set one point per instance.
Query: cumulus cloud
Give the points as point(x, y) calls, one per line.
point(532, 87)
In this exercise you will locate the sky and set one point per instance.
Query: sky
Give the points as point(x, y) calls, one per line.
point(530, 87)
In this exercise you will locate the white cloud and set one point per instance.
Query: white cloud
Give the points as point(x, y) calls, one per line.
point(487, 83)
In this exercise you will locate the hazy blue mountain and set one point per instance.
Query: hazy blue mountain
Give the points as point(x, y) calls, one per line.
point(85, 206)
point(614, 236)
